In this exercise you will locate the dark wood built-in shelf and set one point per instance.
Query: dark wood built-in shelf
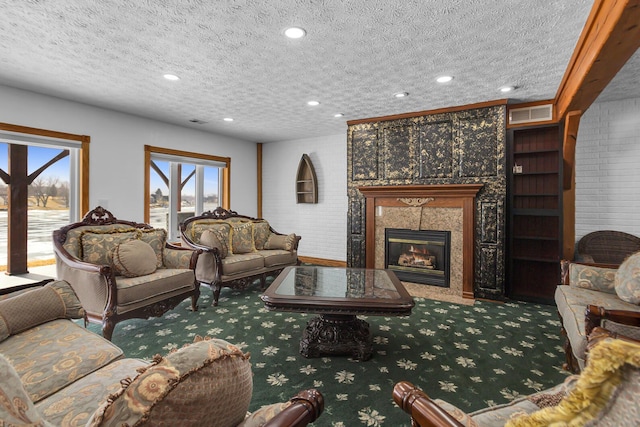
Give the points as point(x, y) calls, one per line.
point(535, 213)
point(306, 182)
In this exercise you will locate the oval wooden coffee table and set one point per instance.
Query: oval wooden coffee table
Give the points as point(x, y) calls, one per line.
point(338, 295)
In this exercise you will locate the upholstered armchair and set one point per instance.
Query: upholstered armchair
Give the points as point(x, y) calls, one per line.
point(596, 295)
point(122, 269)
point(605, 393)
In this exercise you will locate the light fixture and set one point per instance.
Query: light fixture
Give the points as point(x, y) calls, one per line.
point(295, 32)
point(228, 119)
point(507, 88)
point(338, 115)
point(444, 79)
point(171, 77)
point(313, 103)
point(401, 94)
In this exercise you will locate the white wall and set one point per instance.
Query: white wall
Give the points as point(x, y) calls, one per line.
point(117, 148)
point(323, 226)
point(608, 168)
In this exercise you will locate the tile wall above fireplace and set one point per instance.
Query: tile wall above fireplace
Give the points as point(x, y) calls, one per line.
point(461, 147)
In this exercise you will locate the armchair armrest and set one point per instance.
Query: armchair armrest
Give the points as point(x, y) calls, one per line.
point(594, 315)
point(305, 408)
point(180, 257)
point(423, 410)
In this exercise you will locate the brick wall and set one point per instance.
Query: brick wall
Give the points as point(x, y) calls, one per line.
point(608, 168)
point(323, 226)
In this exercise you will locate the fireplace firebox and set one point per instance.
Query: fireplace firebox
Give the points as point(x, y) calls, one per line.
point(418, 256)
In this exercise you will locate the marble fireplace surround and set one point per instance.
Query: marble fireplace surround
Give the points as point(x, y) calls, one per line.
point(448, 207)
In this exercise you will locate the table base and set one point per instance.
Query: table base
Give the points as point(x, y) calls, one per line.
point(332, 334)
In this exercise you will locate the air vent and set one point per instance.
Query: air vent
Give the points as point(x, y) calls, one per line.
point(539, 113)
point(197, 121)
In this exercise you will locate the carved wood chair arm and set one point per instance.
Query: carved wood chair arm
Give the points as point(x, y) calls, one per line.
point(306, 407)
point(423, 410)
point(595, 314)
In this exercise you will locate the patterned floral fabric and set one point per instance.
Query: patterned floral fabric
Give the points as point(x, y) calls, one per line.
point(627, 280)
point(242, 238)
point(176, 258)
point(208, 380)
point(73, 243)
point(16, 408)
point(261, 232)
point(590, 277)
point(50, 356)
point(97, 247)
point(55, 300)
point(156, 238)
point(462, 417)
point(198, 227)
point(74, 404)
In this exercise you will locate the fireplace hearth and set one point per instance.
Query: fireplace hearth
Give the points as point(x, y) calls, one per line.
point(419, 256)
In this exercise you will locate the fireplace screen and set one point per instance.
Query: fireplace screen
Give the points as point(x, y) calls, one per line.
point(418, 256)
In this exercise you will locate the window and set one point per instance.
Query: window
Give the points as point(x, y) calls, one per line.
point(45, 174)
point(180, 184)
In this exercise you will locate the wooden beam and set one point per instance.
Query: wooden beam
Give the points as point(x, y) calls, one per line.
point(571, 124)
point(259, 167)
point(610, 37)
point(18, 210)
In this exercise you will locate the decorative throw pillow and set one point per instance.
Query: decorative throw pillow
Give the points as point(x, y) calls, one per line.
point(261, 233)
point(16, 408)
point(214, 239)
point(97, 247)
point(157, 238)
point(180, 389)
point(134, 258)
point(55, 300)
point(590, 277)
point(242, 238)
point(628, 279)
point(281, 241)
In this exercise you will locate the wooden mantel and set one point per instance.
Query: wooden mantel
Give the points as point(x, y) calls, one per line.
point(440, 196)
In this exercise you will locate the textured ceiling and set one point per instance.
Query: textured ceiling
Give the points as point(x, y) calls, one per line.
point(234, 61)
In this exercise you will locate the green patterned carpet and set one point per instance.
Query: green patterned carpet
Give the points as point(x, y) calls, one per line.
point(471, 356)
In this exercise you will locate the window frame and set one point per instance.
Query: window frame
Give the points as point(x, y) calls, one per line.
point(224, 176)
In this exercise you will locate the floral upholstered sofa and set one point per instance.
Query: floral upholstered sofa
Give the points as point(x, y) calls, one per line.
point(54, 372)
point(237, 249)
point(595, 295)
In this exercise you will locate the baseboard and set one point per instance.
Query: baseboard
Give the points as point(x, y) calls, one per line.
point(322, 261)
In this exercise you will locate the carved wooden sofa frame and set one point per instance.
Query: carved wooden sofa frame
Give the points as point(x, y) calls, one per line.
point(211, 266)
point(98, 284)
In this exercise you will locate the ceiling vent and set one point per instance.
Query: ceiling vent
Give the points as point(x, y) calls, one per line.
point(539, 113)
point(197, 121)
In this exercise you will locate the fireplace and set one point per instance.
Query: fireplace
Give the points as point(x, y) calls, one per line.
point(418, 256)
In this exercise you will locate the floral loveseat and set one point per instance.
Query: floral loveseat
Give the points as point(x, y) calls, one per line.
point(53, 372)
point(237, 249)
point(592, 295)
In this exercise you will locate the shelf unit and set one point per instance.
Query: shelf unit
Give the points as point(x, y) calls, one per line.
point(535, 212)
point(306, 182)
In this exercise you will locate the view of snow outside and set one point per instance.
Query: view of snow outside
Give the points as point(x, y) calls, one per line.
point(48, 208)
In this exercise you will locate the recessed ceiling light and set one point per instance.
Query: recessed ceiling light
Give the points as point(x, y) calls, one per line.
point(228, 119)
point(338, 115)
point(313, 103)
point(295, 32)
point(401, 94)
point(171, 77)
point(444, 79)
point(507, 88)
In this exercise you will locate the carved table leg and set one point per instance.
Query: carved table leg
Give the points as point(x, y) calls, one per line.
point(332, 334)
